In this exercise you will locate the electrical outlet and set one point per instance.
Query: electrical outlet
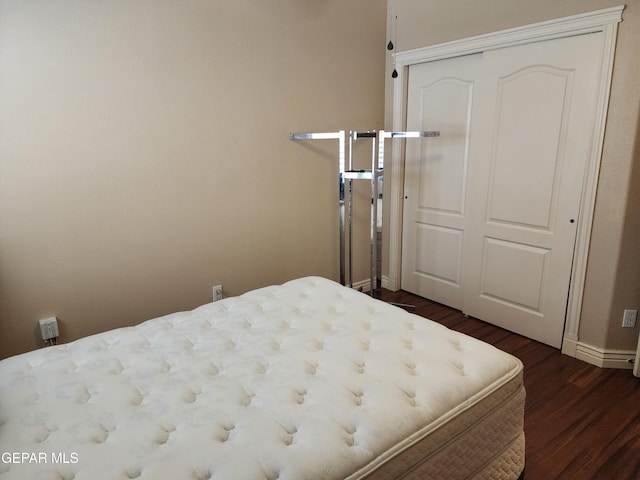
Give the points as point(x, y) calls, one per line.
point(49, 328)
point(629, 318)
point(217, 293)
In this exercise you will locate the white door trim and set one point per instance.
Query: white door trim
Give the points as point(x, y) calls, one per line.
point(605, 21)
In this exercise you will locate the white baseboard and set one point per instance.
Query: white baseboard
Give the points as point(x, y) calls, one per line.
point(364, 285)
point(599, 357)
point(390, 283)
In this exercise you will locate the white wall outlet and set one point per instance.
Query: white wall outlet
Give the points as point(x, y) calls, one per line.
point(629, 318)
point(49, 328)
point(217, 293)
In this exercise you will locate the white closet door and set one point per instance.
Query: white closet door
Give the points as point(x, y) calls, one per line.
point(539, 105)
point(434, 217)
point(489, 218)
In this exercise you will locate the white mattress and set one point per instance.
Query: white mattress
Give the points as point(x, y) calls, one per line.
point(308, 380)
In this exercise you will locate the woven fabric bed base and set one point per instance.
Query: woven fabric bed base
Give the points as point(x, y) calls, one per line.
point(485, 442)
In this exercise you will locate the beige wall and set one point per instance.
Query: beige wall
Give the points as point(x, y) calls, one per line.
point(144, 154)
point(613, 277)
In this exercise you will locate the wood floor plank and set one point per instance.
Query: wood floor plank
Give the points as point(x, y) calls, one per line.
point(581, 422)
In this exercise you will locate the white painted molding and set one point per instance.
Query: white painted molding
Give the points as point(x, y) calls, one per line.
point(599, 357)
point(389, 283)
point(605, 21)
point(588, 200)
point(363, 285)
point(569, 346)
point(552, 29)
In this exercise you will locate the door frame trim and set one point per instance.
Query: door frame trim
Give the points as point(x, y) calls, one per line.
point(604, 21)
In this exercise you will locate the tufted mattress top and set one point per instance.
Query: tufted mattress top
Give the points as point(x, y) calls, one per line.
point(307, 380)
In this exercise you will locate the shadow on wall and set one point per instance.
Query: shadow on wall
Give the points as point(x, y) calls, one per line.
point(628, 271)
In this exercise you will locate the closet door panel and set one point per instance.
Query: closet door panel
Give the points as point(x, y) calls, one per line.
point(440, 98)
point(530, 119)
point(527, 168)
point(523, 264)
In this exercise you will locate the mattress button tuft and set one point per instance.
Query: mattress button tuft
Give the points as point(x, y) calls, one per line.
point(311, 368)
point(190, 397)
point(206, 476)
point(248, 398)
point(137, 398)
point(117, 368)
point(272, 475)
point(83, 395)
point(101, 438)
point(226, 432)
point(133, 473)
point(42, 438)
point(166, 367)
point(291, 431)
point(411, 367)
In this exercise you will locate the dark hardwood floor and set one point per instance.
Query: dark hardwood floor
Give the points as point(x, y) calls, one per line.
point(581, 421)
